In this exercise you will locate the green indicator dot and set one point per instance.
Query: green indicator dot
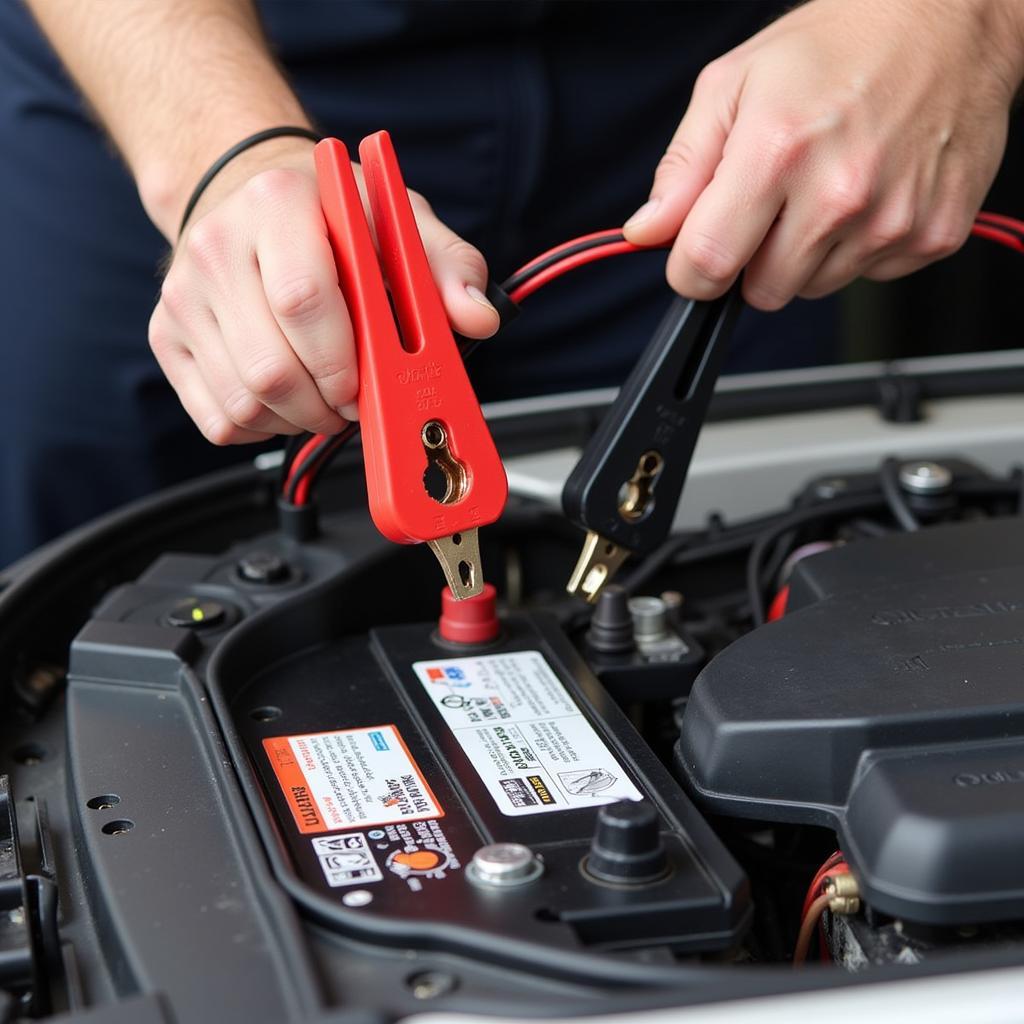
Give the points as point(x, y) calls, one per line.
point(197, 615)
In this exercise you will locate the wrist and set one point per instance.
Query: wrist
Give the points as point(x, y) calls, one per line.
point(1003, 21)
point(165, 186)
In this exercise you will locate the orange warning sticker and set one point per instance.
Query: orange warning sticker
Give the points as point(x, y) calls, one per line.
point(350, 778)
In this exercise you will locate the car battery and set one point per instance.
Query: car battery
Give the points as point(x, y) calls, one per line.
point(486, 792)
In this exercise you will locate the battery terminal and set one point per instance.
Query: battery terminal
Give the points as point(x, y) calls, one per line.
point(843, 893)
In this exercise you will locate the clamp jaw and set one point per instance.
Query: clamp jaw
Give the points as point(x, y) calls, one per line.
point(627, 484)
point(421, 421)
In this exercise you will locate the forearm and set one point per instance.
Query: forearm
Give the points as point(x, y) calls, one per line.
point(175, 83)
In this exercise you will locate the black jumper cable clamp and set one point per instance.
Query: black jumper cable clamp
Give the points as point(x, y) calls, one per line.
point(625, 488)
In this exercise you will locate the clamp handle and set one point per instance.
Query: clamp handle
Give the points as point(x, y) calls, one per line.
point(627, 484)
point(416, 405)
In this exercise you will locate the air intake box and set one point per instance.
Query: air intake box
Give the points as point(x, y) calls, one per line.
point(888, 704)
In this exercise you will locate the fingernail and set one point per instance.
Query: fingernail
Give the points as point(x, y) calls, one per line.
point(349, 412)
point(478, 296)
point(645, 213)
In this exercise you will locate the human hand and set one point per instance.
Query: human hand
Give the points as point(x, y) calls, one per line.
point(849, 138)
point(251, 328)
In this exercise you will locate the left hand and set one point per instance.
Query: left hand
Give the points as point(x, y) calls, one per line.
point(849, 138)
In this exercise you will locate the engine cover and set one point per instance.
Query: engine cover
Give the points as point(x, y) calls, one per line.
point(888, 704)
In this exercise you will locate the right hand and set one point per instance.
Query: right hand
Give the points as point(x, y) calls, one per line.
point(251, 328)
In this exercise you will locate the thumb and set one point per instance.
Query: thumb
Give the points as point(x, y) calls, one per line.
point(460, 272)
point(691, 158)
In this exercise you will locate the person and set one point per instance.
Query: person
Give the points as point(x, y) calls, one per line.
point(843, 138)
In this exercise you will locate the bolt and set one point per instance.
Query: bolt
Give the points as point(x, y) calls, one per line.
point(263, 567)
point(431, 984)
point(925, 477)
point(826, 489)
point(504, 864)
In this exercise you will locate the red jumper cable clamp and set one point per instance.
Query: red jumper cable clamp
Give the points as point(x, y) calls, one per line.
point(417, 408)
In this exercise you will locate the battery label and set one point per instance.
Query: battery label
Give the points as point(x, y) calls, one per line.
point(528, 741)
point(351, 778)
point(346, 859)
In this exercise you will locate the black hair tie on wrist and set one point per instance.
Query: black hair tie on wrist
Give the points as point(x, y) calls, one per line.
point(240, 147)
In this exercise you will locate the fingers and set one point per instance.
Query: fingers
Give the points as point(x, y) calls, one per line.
point(824, 148)
point(270, 364)
point(812, 233)
point(691, 157)
point(732, 216)
point(894, 242)
point(252, 329)
point(252, 300)
point(460, 273)
point(300, 285)
point(935, 237)
point(181, 371)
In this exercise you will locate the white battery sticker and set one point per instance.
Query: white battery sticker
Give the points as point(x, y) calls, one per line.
point(350, 778)
point(346, 859)
point(523, 733)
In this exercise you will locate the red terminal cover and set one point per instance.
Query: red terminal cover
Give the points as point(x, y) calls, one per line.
point(409, 373)
point(473, 620)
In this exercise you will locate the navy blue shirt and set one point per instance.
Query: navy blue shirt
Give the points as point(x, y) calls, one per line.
point(523, 123)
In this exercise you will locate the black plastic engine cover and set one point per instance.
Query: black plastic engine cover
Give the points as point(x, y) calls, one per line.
point(891, 711)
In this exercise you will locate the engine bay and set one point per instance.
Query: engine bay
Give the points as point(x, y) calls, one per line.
point(248, 776)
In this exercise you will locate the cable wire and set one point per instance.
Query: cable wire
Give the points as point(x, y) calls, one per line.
point(1000, 235)
point(559, 252)
point(852, 505)
point(807, 926)
point(1011, 224)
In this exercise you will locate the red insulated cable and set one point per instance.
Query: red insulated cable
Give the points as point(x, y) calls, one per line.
point(778, 606)
point(300, 457)
point(994, 234)
point(1000, 218)
point(302, 490)
point(610, 233)
point(987, 227)
point(835, 865)
point(580, 259)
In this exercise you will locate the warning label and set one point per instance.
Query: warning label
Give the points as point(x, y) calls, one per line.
point(350, 779)
point(347, 859)
point(524, 734)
